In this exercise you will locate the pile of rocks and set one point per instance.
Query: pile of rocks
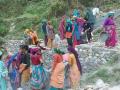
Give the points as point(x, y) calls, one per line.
point(13, 45)
point(92, 56)
point(100, 85)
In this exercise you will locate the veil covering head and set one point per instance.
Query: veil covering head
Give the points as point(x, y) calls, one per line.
point(111, 14)
point(72, 50)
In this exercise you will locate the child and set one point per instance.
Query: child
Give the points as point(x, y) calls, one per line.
point(3, 74)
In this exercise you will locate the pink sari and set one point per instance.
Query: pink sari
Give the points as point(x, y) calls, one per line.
point(112, 40)
point(110, 28)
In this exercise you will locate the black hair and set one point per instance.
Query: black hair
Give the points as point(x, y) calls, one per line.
point(0, 57)
point(24, 47)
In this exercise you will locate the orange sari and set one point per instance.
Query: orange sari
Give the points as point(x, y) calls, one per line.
point(57, 77)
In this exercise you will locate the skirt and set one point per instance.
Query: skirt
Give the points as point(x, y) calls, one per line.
point(25, 76)
point(39, 79)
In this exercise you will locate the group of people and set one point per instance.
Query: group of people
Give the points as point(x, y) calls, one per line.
point(71, 28)
point(27, 66)
point(78, 30)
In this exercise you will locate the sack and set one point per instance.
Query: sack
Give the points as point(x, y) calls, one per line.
point(104, 36)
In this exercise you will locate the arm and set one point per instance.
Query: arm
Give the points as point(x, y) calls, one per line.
point(11, 59)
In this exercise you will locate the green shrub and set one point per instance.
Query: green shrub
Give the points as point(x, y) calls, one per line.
point(3, 28)
point(1, 40)
point(58, 9)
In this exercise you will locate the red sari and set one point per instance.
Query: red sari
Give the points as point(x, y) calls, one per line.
point(61, 28)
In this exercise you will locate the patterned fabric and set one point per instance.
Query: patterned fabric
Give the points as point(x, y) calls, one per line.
point(110, 28)
point(3, 74)
point(39, 77)
point(13, 65)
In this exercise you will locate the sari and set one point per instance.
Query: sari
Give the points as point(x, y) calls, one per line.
point(57, 77)
point(75, 68)
point(13, 65)
point(76, 34)
point(61, 28)
point(110, 29)
point(3, 75)
point(39, 77)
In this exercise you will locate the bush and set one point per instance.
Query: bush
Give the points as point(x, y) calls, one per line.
point(2, 41)
point(3, 28)
point(58, 9)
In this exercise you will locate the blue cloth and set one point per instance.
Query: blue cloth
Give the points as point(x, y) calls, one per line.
point(76, 31)
point(11, 59)
point(53, 88)
point(39, 79)
point(13, 72)
point(76, 13)
point(89, 16)
point(3, 74)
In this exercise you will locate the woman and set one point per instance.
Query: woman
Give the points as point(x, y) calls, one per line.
point(75, 68)
point(110, 29)
point(34, 37)
point(76, 33)
point(39, 75)
point(3, 74)
point(69, 29)
point(24, 68)
point(61, 28)
point(28, 39)
point(50, 34)
point(13, 63)
point(57, 77)
point(90, 21)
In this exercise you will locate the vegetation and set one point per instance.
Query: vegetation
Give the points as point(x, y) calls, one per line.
point(29, 13)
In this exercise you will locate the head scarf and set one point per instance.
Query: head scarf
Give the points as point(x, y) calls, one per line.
point(72, 50)
point(57, 57)
point(58, 51)
point(111, 14)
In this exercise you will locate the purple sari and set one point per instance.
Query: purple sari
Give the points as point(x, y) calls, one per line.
point(110, 28)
